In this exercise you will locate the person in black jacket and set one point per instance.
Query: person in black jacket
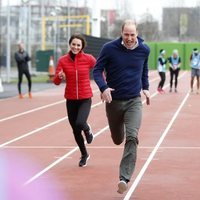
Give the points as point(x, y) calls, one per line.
point(22, 58)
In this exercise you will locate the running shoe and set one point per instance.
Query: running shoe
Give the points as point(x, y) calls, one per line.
point(159, 89)
point(21, 96)
point(162, 91)
point(83, 160)
point(89, 135)
point(122, 186)
point(30, 95)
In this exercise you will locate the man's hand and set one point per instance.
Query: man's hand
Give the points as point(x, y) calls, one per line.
point(106, 95)
point(147, 95)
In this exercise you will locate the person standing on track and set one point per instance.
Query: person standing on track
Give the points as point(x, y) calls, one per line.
point(22, 58)
point(161, 70)
point(75, 68)
point(174, 68)
point(195, 68)
point(124, 62)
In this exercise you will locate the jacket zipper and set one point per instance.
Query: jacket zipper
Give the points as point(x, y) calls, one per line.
point(76, 83)
point(76, 77)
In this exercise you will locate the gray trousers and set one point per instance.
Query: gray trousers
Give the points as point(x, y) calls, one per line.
point(124, 119)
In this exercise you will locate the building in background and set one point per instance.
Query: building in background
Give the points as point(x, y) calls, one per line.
point(181, 24)
point(47, 24)
point(39, 23)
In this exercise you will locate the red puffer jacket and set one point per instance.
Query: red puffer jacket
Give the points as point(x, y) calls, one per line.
point(77, 73)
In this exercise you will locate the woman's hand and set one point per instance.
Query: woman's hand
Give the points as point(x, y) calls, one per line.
point(61, 75)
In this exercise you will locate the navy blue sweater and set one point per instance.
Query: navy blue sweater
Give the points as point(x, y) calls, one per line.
point(126, 70)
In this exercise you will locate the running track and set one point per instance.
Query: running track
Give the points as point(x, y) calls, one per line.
point(38, 152)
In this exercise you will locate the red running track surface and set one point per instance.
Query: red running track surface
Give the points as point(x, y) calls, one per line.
point(39, 157)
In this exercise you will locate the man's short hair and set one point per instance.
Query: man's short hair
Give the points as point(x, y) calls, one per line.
point(128, 22)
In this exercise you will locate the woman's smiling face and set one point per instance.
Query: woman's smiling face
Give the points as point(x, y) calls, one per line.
point(76, 46)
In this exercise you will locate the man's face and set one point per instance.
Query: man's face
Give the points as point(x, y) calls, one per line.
point(21, 47)
point(174, 55)
point(129, 35)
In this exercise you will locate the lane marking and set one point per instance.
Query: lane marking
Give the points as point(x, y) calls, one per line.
point(32, 132)
point(32, 110)
point(47, 125)
point(49, 105)
point(36, 109)
point(41, 128)
point(63, 157)
point(71, 152)
point(153, 153)
point(60, 159)
point(102, 147)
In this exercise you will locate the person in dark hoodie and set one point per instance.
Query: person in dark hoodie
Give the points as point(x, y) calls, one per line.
point(22, 58)
point(124, 62)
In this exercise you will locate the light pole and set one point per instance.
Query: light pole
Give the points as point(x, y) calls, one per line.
point(8, 60)
point(26, 19)
point(56, 33)
point(68, 15)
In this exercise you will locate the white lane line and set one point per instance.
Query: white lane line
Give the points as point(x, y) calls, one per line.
point(155, 79)
point(16, 139)
point(63, 157)
point(151, 156)
point(66, 155)
point(166, 85)
point(46, 126)
point(103, 147)
point(32, 132)
point(41, 128)
point(32, 110)
point(49, 105)
point(36, 109)
point(59, 160)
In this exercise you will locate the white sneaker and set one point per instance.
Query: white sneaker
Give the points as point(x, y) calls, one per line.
point(122, 187)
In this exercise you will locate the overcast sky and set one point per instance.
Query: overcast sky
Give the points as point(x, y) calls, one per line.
point(136, 7)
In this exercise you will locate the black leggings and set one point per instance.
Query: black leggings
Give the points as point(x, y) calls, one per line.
point(172, 74)
point(78, 112)
point(162, 81)
point(20, 77)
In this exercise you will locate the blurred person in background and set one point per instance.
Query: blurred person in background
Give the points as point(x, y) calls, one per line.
point(195, 68)
point(161, 70)
point(22, 58)
point(174, 68)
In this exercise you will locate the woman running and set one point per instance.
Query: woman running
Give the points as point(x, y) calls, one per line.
point(75, 67)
